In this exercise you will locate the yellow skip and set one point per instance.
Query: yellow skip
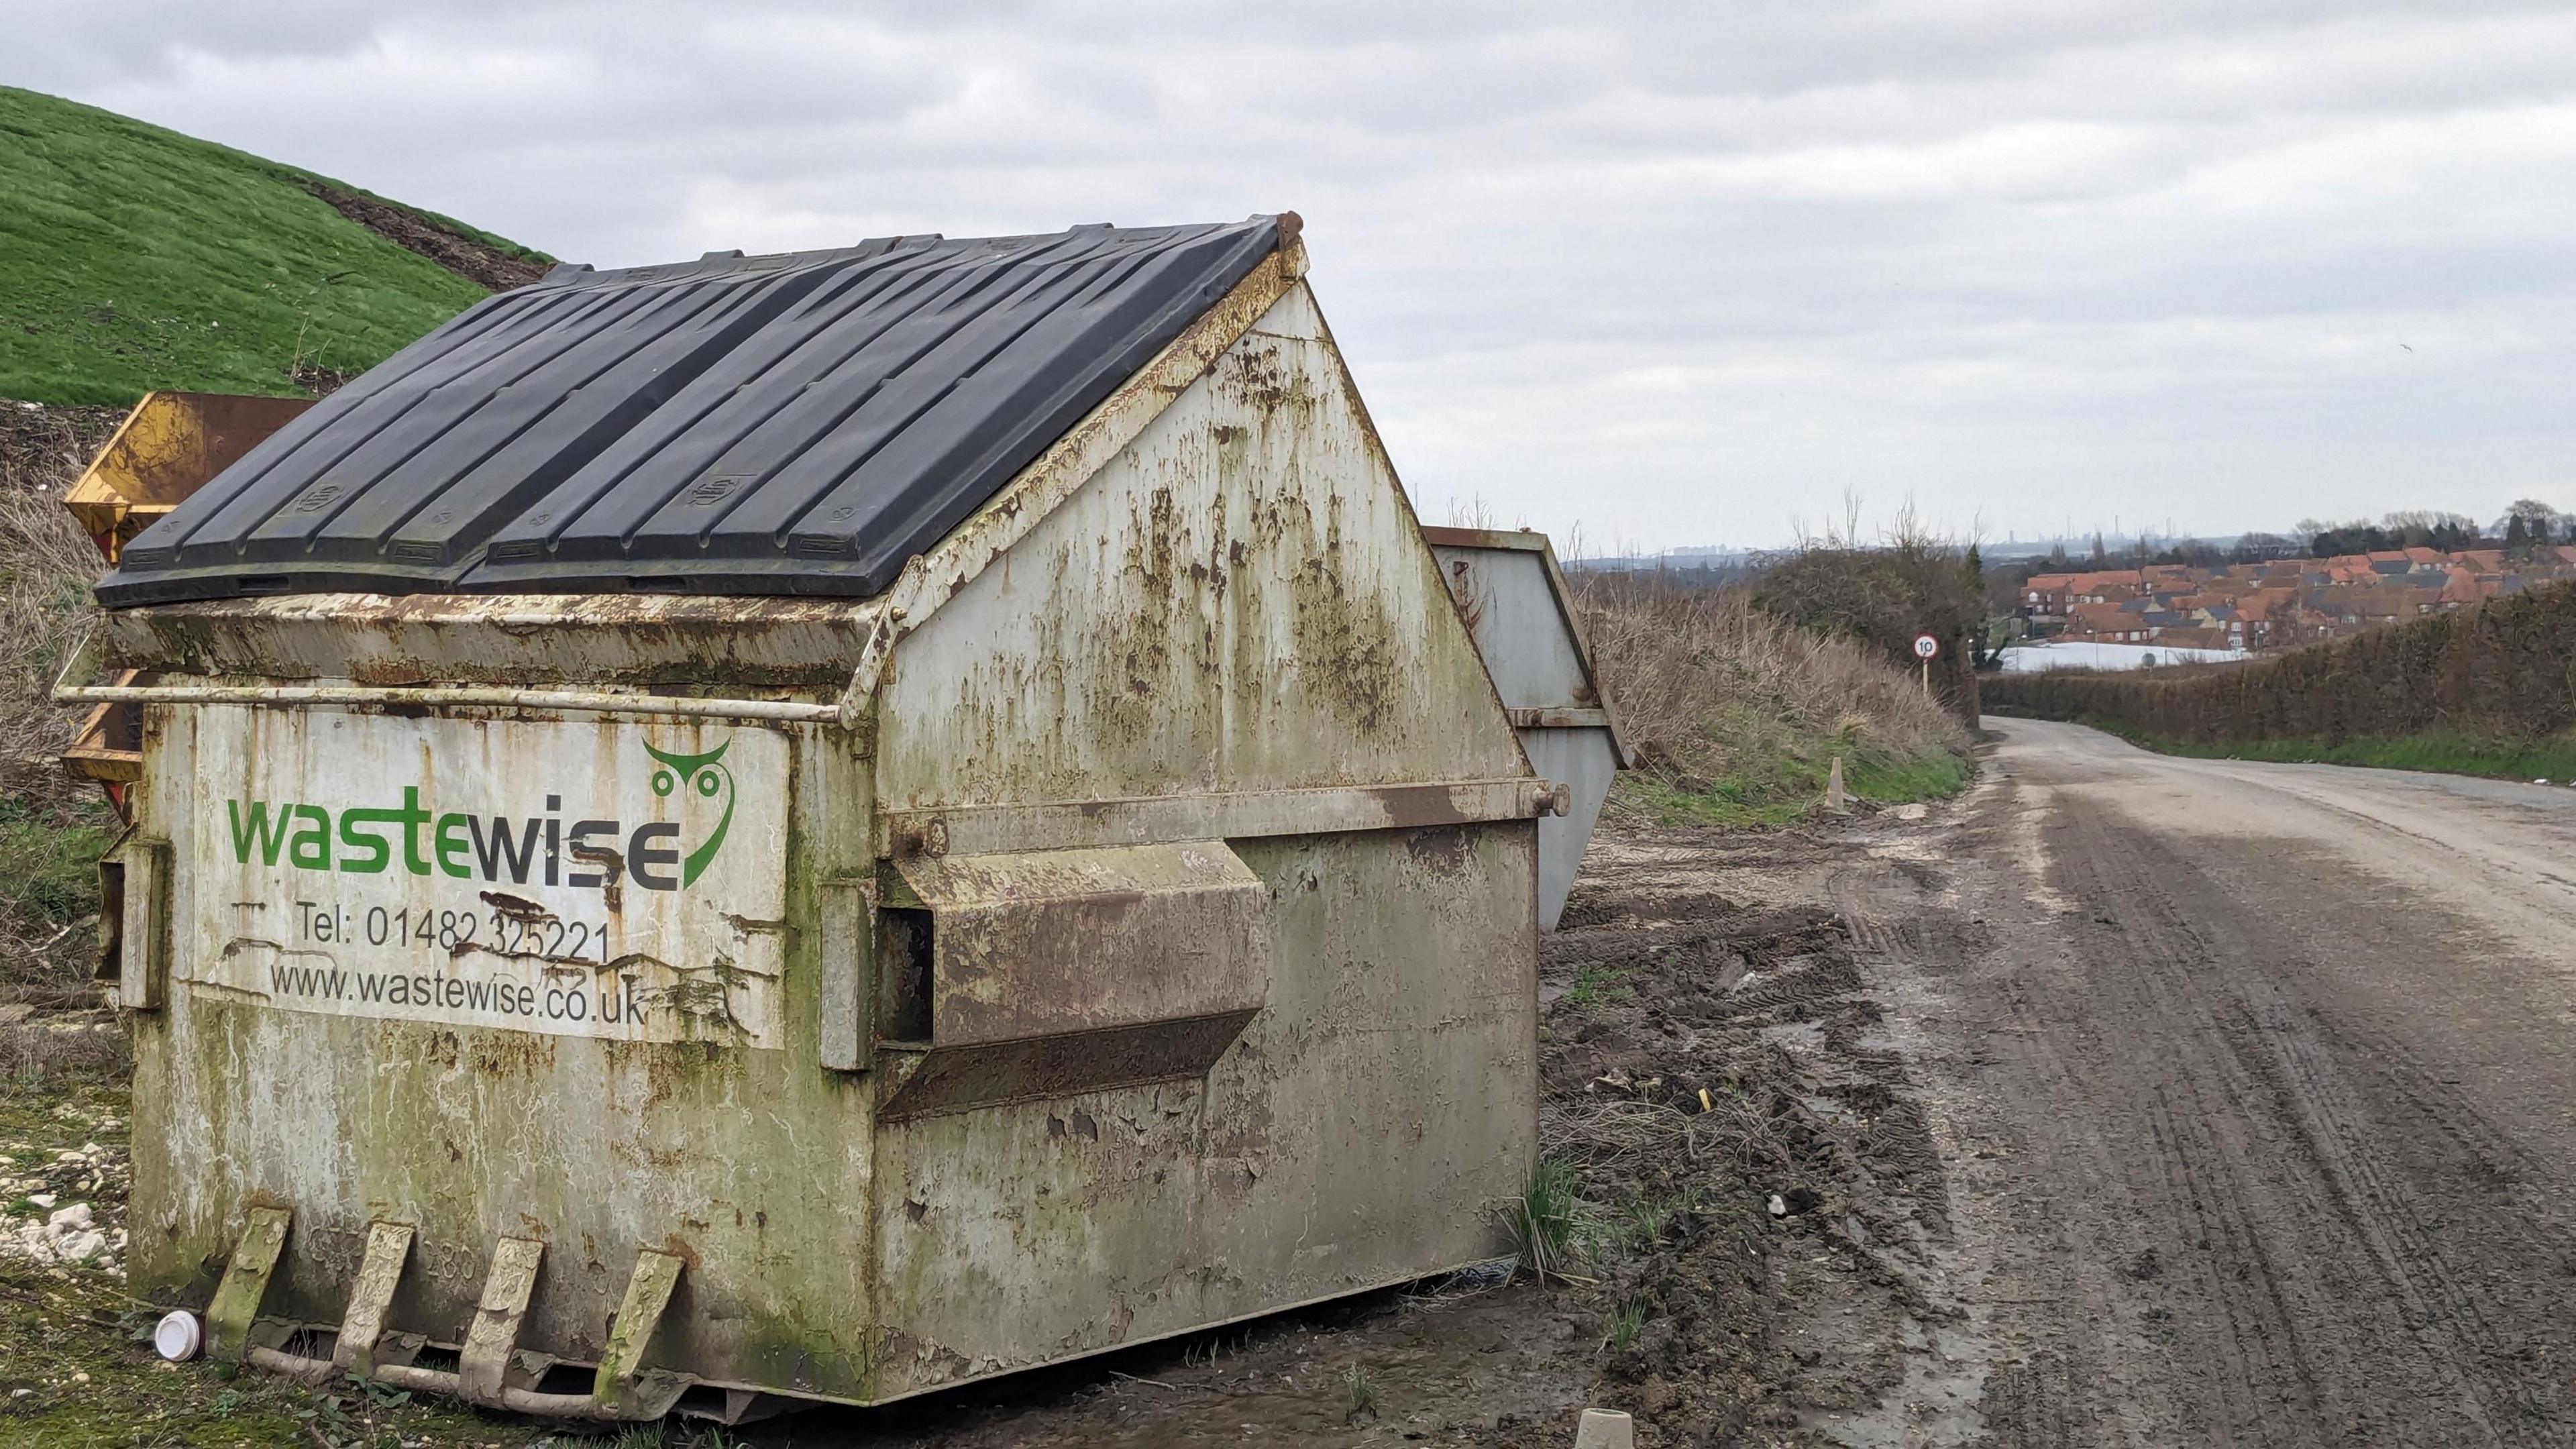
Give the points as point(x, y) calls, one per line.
point(171, 443)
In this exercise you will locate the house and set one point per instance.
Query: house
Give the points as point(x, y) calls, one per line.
point(2280, 602)
point(2044, 595)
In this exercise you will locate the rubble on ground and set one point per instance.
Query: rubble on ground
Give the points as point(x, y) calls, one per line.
point(62, 1207)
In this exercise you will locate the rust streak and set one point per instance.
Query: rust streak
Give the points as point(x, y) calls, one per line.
point(517, 908)
point(235, 946)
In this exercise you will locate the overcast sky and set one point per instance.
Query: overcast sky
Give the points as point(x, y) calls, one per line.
point(1682, 274)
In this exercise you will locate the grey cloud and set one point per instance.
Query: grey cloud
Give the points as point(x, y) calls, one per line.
point(1677, 270)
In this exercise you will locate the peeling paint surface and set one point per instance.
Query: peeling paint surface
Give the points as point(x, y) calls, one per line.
point(1044, 942)
point(1239, 596)
point(1356, 1135)
point(1239, 601)
point(750, 1161)
point(570, 877)
point(526, 639)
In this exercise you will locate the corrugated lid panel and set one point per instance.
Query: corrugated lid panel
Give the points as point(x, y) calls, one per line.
point(796, 424)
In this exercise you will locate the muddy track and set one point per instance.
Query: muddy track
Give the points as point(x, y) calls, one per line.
point(470, 257)
point(2226, 1181)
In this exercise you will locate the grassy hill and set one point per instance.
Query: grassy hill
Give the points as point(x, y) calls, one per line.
point(133, 258)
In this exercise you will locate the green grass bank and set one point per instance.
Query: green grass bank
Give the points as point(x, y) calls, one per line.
point(1738, 715)
point(133, 258)
point(1778, 770)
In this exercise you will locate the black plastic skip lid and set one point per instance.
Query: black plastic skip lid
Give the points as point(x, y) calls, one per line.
point(797, 424)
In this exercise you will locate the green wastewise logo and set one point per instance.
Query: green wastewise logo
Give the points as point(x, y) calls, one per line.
point(491, 842)
point(703, 776)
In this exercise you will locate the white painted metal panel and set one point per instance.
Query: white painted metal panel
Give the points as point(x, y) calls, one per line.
point(579, 878)
point(1584, 760)
point(1511, 606)
point(1508, 592)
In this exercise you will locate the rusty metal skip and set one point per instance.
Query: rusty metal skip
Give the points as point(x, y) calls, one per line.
point(614, 916)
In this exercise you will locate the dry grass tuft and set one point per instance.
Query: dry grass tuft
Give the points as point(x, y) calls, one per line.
point(46, 567)
point(32, 1052)
point(1719, 696)
point(1619, 1133)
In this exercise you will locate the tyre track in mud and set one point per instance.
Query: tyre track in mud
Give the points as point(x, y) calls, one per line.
point(2247, 1169)
point(2245, 1201)
point(2034, 1394)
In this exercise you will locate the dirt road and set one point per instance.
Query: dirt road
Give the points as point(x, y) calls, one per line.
point(2257, 1090)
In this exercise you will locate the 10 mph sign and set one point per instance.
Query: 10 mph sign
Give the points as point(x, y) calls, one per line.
point(1926, 647)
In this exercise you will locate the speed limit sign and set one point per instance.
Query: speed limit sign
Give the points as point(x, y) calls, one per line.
point(1926, 647)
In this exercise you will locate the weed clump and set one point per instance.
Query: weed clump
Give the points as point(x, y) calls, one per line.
point(1360, 1399)
point(1626, 1322)
point(1598, 985)
point(1543, 1221)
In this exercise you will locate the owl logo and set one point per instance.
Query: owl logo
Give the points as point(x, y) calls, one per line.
point(704, 776)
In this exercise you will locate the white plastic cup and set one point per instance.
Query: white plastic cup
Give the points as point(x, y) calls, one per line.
point(1605, 1429)
point(177, 1337)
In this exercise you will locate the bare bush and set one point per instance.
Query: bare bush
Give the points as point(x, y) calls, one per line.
point(1911, 581)
point(46, 566)
point(34, 1051)
point(50, 825)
